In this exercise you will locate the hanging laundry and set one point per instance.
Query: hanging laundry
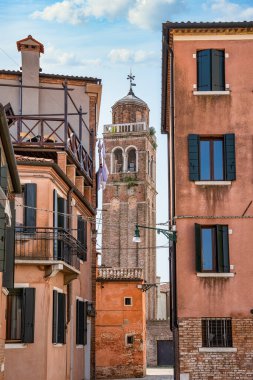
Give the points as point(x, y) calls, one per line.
point(102, 173)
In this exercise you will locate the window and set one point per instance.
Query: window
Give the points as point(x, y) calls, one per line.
point(129, 340)
point(217, 332)
point(30, 200)
point(59, 317)
point(81, 322)
point(131, 164)
point(117, 161)
point(20, 315)
point(210, 70)
point(212, 159)
point(82, 237)
point(128, 301)
point(212, 249)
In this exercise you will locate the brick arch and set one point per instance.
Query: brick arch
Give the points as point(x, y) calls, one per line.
point(131, 162)
point(117, 160)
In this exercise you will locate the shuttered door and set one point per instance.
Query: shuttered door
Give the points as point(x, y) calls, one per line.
point(85, 232)
point(28, 311)
point(61, 317)
point(80, 322)
point(30, 210)
point(204, 70)
point(218, 70)
point(223, 265)
point(229, 150)
point(85, 321)
point(63, 250)
point(55, 316)
point(8, 275)
point(193, 152)
point(198, 247)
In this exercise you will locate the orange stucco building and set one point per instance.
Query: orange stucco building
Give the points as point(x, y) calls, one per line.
point(207, 114)
point(50, 308)
point(120, 324)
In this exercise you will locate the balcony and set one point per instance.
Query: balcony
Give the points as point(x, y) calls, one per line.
point(54, 248)
point(123, 128)
point(110, 274)
point(46, 135)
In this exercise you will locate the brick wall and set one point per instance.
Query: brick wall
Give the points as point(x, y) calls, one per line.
point(156, 330)
point(216, 365)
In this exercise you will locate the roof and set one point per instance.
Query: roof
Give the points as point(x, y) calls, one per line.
point(56, 76)
point(208, 25)
point(31, 41)
point(8, 150)
point(131, 98)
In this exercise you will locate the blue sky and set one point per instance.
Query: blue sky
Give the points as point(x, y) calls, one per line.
point(104, 39)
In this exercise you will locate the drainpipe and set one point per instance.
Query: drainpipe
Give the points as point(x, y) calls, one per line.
point(171, 190)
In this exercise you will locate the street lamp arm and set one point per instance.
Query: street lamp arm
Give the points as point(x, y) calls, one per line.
point(170, 235)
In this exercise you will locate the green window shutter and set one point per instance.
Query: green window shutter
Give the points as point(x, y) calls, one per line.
point(82, 236)
point(204, 70)
point(8, 275)
point(223, 265)
point(193, 152)
point(218, 70)
point(55, 224)
point(62, 213)
point(61, 318)
point(85, 231)
point(31, 203)
point(4, 178)
point(28, 312)
point(85, 321)
point(80, 322)
point(55, 316)
point(229, 153)
point(2, 238)
point(198, 247)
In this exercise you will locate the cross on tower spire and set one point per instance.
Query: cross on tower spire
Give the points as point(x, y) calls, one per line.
point(131, 77)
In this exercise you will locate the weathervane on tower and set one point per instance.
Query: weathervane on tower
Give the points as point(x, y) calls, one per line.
point(131, 78)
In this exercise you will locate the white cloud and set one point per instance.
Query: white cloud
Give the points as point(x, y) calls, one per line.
point(146, 14)
point(226, 10)
point(129, 56)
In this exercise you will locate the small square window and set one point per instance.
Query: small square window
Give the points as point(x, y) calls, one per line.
point(128, 301)
point(217, 332)
point(129, 339)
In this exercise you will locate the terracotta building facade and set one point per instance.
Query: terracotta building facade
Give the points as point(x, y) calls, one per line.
point(52, 119)
point(207, 115)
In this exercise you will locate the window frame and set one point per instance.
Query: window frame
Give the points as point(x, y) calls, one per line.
point(58, 326)
point(127, 336)
point(213, 66)
point(211, 141)
point(224, 339)
point(131, 301)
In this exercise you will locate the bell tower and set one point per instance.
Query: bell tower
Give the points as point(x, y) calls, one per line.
point(130, 194)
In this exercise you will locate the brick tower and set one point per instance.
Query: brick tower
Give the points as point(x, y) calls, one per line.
point(130, 194)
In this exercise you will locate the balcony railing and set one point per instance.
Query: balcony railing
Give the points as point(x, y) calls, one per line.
point(52, 133)
point(48, 244)
point(127, 127)
point(120, 274)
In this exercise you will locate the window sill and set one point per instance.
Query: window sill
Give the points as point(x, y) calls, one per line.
point(221, 275)
point(58, 344)
point(14, 345)
point(226, 92)
point(213, 183)
point(217, 349)
point(79, 346)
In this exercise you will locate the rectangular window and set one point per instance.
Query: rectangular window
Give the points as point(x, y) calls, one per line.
point(128, 301)
point(20, 315)
point(81, 322)
point(217, 332)
point(30, 204)
point(59, 317)
point(211, 70)
point(211, 158)
point(212, 250)
point(129, 340)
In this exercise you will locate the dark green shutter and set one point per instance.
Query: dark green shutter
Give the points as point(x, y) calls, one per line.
point(55, 223)
point(62, 213)
point(193, 152)
point(4, 178)
point(223, 265)
point(80, 305)
point(229, 153)
point(2, 238)
point(61, 317)
point(218, 70)
point(204, 70)
point(85, 232)
point(8, 275)
point(28, 311)
point(31, 203)
point(85, 322)
point(198, 247)
point(55, 316)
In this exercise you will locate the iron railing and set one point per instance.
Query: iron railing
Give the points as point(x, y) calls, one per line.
point(53, 244)
point(52, 132)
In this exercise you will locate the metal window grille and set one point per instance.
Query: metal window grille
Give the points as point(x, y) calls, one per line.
point(217, 332)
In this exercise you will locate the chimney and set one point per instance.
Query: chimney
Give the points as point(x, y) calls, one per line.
point(30, 55)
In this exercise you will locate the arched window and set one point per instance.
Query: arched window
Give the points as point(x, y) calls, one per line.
point(131, 162)
point(117, 161)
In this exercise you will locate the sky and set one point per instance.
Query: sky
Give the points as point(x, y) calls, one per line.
point(106, 39)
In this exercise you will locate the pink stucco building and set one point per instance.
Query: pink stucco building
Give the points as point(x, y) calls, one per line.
point(50, 309)
point(207, 115)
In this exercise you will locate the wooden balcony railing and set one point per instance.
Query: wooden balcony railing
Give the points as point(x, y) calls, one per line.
point(52, 244)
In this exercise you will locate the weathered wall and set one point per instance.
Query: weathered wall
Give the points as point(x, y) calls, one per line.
point(156, 330)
